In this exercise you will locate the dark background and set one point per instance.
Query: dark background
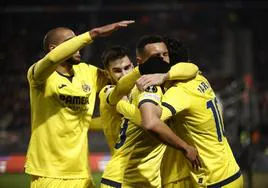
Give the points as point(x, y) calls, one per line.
point(226, 39)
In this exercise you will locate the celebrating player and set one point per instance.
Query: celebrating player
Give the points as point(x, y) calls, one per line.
point(62, 97)
point(197, 119)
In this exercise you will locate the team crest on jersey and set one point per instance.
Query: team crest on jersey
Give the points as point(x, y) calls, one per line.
point(86, 88)
point(151, 89)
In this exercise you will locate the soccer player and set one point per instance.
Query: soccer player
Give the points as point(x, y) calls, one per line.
point(62, 97)
point(117, 64)
point(197, 119)
point(137, 156)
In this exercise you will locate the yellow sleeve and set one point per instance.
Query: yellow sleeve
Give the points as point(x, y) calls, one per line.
point(152, 94)
point(129, 111)
point(174, 100)
point(46, 66)
point(182, 71)
point(123, 87)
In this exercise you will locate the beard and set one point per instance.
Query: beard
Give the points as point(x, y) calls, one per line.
point(75, 59)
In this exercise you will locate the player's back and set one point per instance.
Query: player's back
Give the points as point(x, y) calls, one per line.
point(137, 157)
point(200, 124)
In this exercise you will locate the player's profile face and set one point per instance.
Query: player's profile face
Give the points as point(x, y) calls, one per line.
point(67, 35)
point(156, 49)
point(119, 68)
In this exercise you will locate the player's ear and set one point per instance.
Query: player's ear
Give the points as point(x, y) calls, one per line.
point(51, 47)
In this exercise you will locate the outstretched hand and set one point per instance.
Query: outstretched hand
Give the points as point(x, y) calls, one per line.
point(106, 30)
point(150, 79)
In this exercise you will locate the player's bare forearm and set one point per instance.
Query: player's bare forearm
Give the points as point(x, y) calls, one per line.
point(167, 136)
point(150, 115)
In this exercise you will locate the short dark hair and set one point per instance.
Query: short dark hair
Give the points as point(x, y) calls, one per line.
point(147, 39)
point(113, 53)
point(52, 37)
point(177, 50)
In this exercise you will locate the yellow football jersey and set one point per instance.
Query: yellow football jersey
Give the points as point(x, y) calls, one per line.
point(58, 146)
point(110, 118)
point(173, 167)
point(197, 119)
point(137, 155)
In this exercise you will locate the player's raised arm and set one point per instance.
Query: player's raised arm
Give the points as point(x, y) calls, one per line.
point(62, 44)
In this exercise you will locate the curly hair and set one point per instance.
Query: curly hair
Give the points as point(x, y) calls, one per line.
point(176, 49)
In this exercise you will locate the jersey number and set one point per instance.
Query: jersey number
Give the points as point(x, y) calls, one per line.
point(213, 105)
point(123, 135)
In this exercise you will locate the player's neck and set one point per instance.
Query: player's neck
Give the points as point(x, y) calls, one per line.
point(65, 69)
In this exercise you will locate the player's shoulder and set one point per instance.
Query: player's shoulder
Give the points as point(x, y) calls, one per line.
point(152, 91)
point(195, 87)
point(201, 77)
point(30, 71)
point(191, 82)
point(178, 89)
